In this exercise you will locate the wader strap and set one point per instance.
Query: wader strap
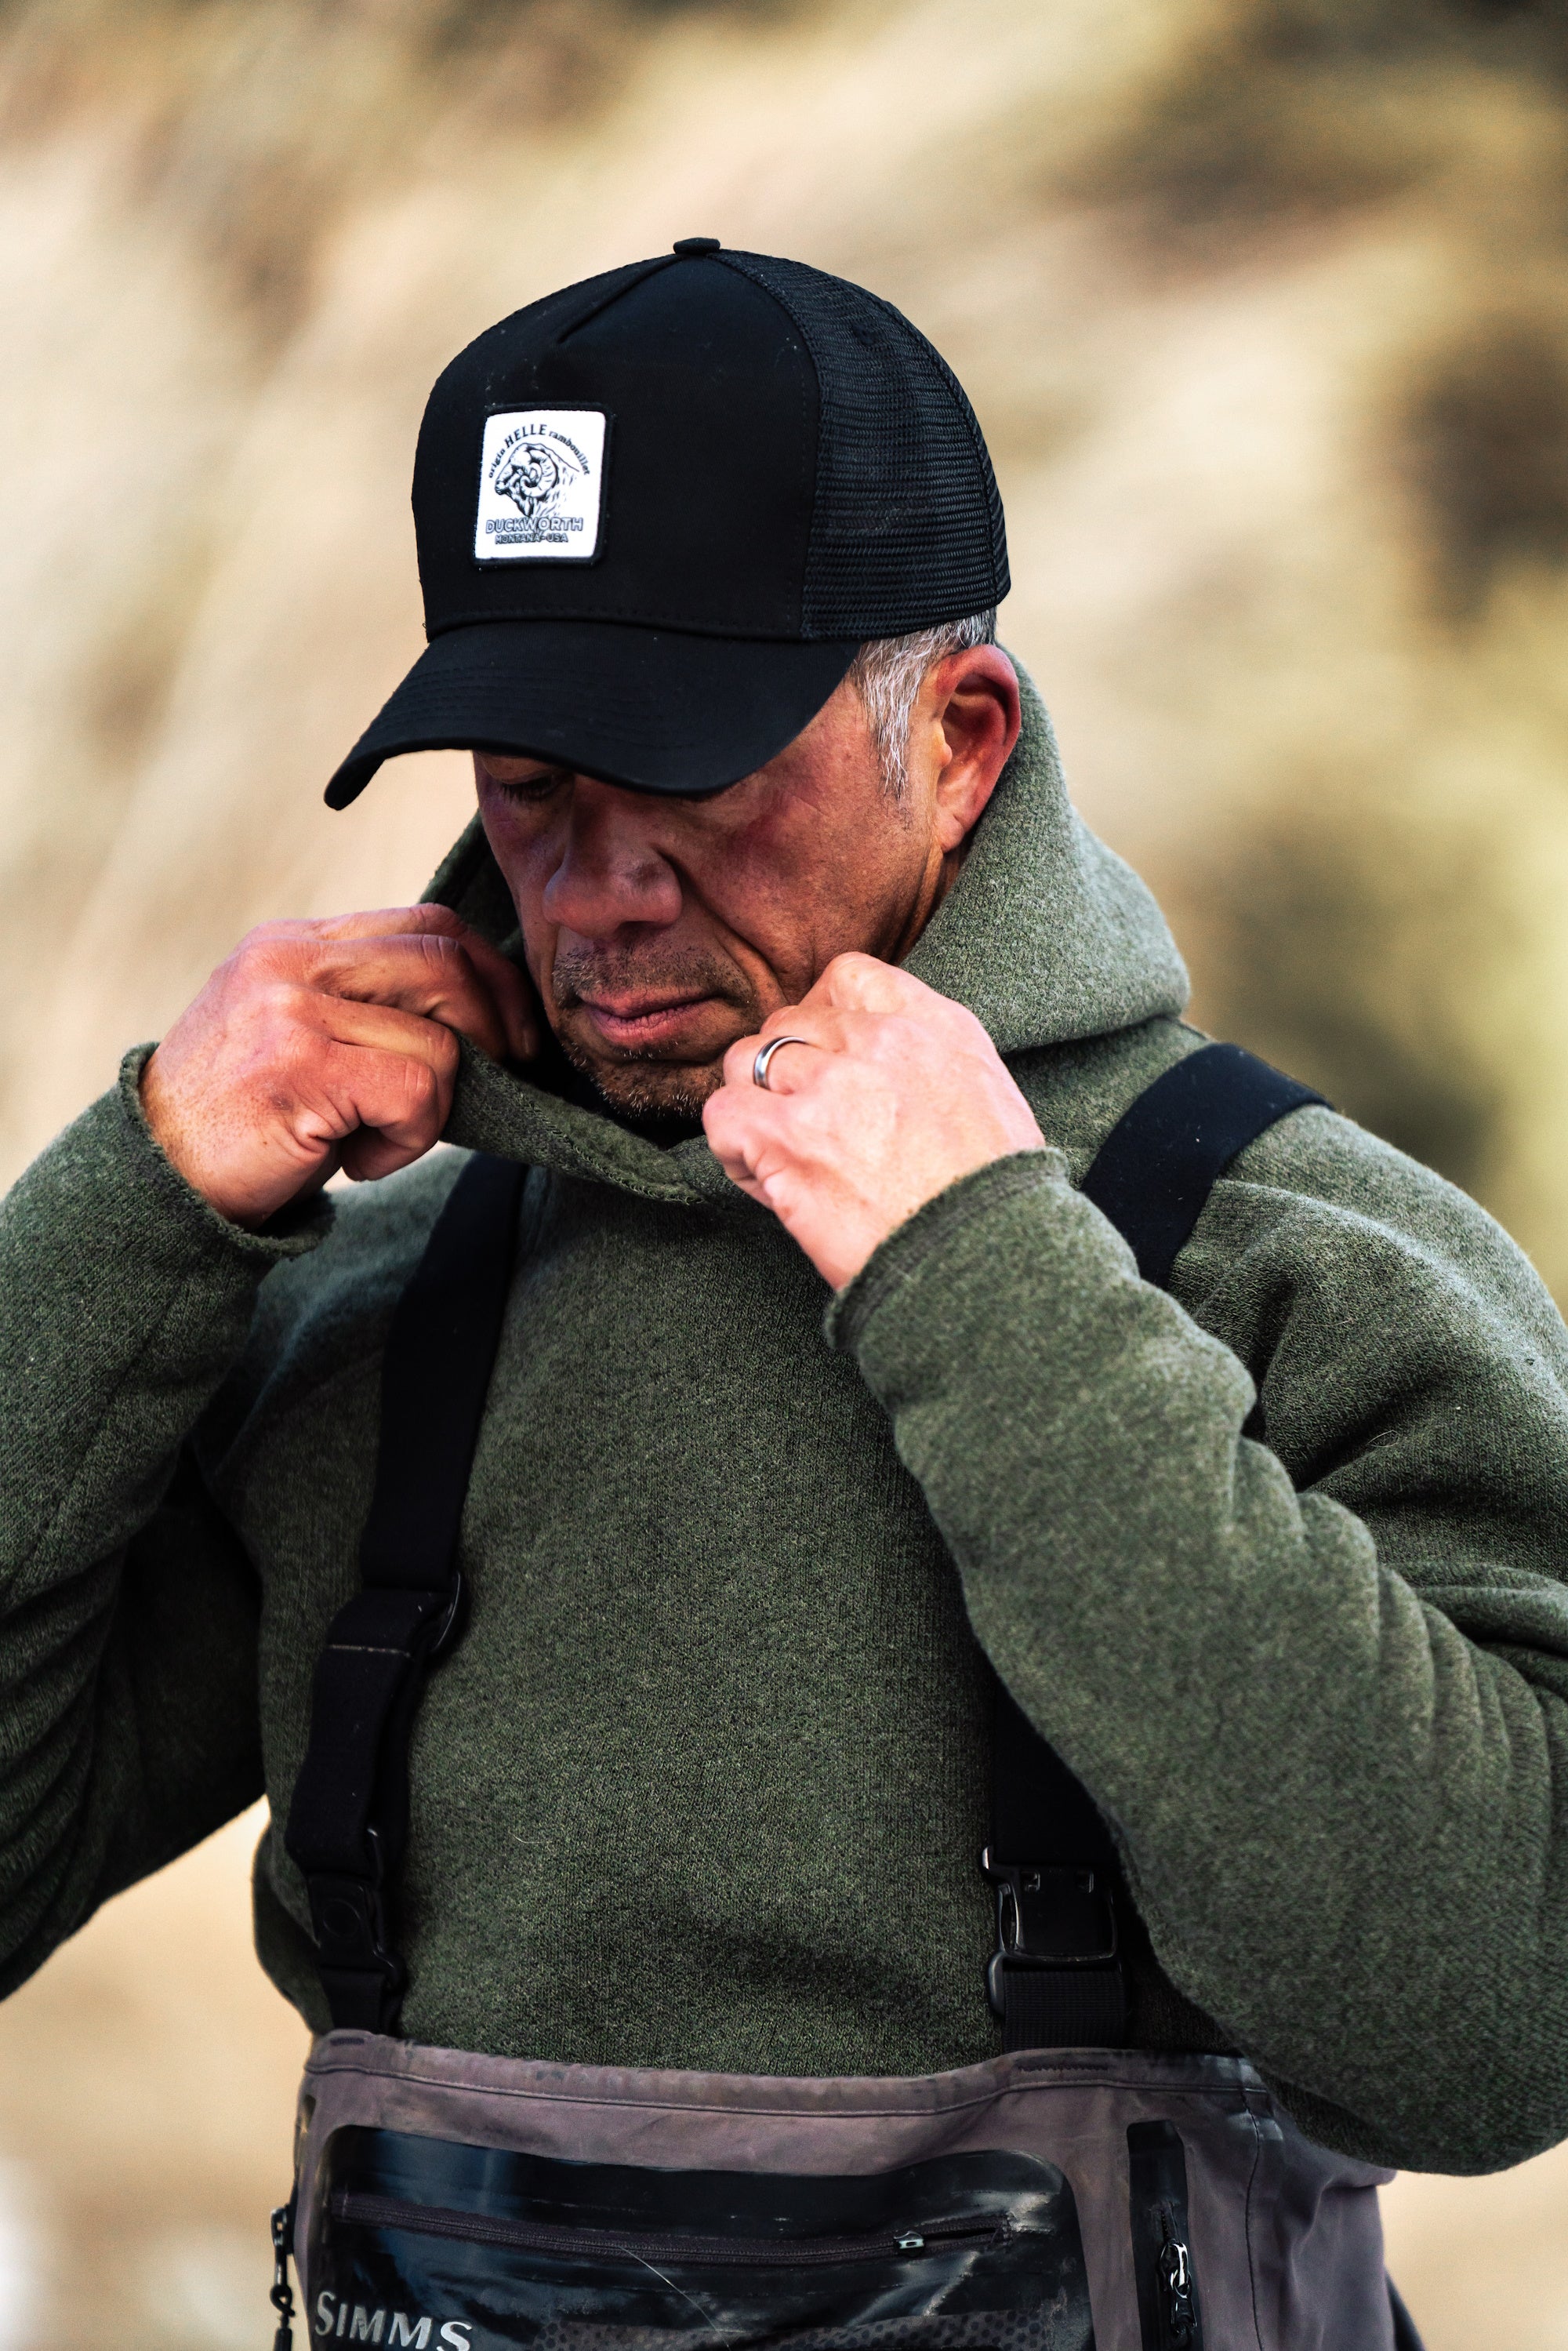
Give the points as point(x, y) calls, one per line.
point(348, 1824)
point(1155, 1169)
point(1055, 1979)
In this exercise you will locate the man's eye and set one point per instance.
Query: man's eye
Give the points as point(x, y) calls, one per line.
point(529, 790)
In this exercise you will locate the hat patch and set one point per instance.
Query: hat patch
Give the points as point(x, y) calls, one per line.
point(541, 480)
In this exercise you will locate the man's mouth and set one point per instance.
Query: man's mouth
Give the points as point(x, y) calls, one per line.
point(641, 1020)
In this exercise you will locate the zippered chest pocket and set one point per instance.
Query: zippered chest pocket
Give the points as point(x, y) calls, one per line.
point(427, 2244)
point(1162, 2250)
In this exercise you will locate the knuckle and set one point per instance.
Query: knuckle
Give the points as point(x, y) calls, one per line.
point(285, 1002)
point(278, 944)
point(974, 1029)
point(445, 955)
point(421, 1077)
point(262, 935)
point(270, 1016)
point(254, 956)
point(863, 981)
point(893, 1036)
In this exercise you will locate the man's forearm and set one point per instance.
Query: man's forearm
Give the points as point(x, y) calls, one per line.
point(124, 1298)
point(127, 1633)
point(1337, 1808)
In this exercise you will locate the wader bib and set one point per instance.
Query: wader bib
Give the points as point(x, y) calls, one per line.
point(1071, 2193)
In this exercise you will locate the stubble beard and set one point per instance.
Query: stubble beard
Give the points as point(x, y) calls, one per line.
point(645, 1086)
point(648, 1091)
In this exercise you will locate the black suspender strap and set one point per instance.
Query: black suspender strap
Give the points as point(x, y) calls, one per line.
point(348, 1824)
point(1155, 1169)
point(1056, 1978)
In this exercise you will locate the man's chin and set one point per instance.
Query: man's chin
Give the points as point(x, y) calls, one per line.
point(650, 1091)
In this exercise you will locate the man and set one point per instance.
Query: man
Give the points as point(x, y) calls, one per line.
point(778, 957)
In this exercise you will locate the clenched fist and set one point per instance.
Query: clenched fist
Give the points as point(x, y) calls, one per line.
point(895, 1093)
point(321, 1045)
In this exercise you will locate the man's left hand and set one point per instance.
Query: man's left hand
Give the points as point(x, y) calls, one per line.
point(895, 1093)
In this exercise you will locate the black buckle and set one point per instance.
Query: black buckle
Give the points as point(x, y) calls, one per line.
point(363, 1978)
point(1048, 1916)
point(352, 1928)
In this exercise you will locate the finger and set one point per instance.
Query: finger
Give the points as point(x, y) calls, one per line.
point(819, 1024)
point(752, 1144)
point(728, 1148)
point(470, 985)
point(508, 982)
point(742, 1132)
point(354, 1093)
point(369, 923)
point(821, 1028)
point(794, 1064)
point(332, 1067)
point(451, 944)
point(864, 983)
point(429, 975)
point(368, 1154)
point(511, 989)
point(739, 1064)
point(381, 1027)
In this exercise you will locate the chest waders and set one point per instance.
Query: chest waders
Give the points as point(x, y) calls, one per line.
point(1071, 2195)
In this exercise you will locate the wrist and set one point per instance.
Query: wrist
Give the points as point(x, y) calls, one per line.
point(299, 1227)
point(935, 1228)
point(247, 1207)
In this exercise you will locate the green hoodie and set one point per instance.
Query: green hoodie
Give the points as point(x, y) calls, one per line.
point(1273, 1561)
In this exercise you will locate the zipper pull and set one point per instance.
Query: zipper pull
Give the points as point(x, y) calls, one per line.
point(909, 2243)
point(282, 2294)
point(1176, 2277)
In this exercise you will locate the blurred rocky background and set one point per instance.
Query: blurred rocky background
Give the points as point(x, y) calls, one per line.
point(1261, 303)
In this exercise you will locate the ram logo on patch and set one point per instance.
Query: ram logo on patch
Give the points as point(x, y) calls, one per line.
point(541, 480)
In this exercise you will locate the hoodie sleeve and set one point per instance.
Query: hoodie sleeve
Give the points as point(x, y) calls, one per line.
point(1277, 1563)
point(128, 1609)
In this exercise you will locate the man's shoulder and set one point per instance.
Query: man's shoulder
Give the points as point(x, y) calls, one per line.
point(1317, 1170)
point(1079, 1090)
point(1316, 1203)
point(1319, 1211)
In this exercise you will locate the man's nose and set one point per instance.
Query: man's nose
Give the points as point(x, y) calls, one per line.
point(611, 873)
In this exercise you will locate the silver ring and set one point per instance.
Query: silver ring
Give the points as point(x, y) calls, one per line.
point(765, 1055)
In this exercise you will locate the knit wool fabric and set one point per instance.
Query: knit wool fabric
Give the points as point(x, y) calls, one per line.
point(1274, 1561)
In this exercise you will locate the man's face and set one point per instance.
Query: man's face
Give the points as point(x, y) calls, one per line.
point(658, 930)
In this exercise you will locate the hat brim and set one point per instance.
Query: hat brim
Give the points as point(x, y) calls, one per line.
point(652, 709)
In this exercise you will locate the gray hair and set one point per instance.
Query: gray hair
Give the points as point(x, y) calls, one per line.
point(889, 671)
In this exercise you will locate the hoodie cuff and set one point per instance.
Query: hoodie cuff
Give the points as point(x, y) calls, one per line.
point(935, 1232)
point(124, 1300)
point(296, 1230)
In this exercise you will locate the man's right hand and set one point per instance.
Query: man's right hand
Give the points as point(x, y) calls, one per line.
point(321, 1045)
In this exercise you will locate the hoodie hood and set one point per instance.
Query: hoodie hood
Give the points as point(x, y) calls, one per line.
point(1046, 936)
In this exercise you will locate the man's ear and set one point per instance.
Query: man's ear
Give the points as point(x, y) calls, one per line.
point(974, 714)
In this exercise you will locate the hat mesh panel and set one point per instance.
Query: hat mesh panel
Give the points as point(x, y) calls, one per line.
point(908, 525)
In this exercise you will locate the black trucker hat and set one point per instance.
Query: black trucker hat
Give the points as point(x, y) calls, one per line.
point(658, 513)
